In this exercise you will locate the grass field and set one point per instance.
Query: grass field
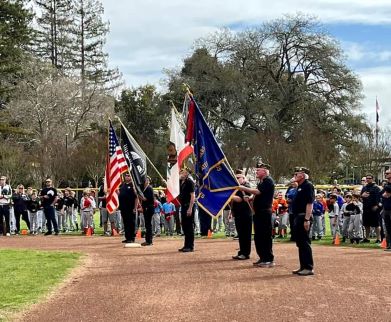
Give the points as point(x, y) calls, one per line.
point(28, 275)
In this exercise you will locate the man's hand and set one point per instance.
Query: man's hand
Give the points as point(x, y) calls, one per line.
point(365, 194)
point(306, 225)
point(189, 212)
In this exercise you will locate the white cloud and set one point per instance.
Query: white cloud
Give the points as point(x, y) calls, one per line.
point(377, 83)
point(358, 52)
point(149, 36)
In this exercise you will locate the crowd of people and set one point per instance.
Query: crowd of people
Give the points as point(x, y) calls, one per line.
point(354, 215)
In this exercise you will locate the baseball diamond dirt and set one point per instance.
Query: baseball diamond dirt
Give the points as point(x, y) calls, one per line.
point(160, 284)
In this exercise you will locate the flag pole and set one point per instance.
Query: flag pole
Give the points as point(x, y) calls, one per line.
point(178, 114)
point(377, 125)
point(153, 166)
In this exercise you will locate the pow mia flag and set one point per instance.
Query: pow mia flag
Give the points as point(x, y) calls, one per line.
point(135, 158)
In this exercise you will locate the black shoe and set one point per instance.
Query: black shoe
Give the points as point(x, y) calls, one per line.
point(296, 271)
point(181, 249)
point(56, 233)
point(365, 240)
point(377, 241)
point(343, 239)
point(240, 257)
point(257, 262)
point(146, 244)
point(187, 250)
point(126, 241)
point(48, 233)
point(351, 240)
point(305, 272)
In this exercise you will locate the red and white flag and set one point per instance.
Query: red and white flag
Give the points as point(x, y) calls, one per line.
point(178, 151)
point(115, 166)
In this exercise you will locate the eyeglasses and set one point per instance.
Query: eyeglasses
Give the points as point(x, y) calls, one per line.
point(369, 178)
point(388, 172)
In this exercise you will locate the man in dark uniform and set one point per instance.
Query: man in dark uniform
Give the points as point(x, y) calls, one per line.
point(243, 220)
point(263, 200)
point(49, 198)
point(187, 198)
point(386, 212)
point(148, 210)
point(370, 195)
point(128, 205)
point(302, 215)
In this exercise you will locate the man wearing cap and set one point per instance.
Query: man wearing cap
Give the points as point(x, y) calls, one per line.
point(243, 218)
point(128, 206)
point(5, 199)
point(49, 198)
point(187, 199)
point(302, 213)
point(263, 200)
point(148, 211)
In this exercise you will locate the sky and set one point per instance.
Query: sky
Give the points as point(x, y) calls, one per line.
point(146, 37)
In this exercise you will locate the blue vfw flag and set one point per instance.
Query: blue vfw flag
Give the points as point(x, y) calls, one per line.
point(216, 183)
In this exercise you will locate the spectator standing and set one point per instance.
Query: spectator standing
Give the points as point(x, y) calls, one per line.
point(5, 199)
point(20, 199)
point(370, 195)
point(48, 199)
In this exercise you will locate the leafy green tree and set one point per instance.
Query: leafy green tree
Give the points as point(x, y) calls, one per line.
point(89, 33)
point(54, 38)
point(145, 114)
point(281, 91)
point(15, 37)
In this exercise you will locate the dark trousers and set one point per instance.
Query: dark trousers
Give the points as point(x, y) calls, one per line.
point(188, 227)
point(50, 219)
point(291, 224)
point(243, 223)
point(129, 220)
point(387, 222)
point(303, 243)
point(5, 213)
point(148, 214)
point(177, 221)
point(25, 217)
point(263, 235)
point(205, 221)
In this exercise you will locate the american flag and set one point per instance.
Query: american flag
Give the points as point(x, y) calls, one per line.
point(115, 166)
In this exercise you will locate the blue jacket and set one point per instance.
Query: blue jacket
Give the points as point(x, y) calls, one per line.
point(317, 209)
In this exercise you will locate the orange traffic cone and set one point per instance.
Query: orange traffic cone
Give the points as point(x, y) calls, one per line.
point(383, 243)
point(138, 235)
point(89, 232)
point(24, 231)
point(209, 233)
point(114, 232)
point(337, 241)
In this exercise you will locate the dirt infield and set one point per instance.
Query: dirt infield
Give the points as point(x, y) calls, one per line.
point(160, 284)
